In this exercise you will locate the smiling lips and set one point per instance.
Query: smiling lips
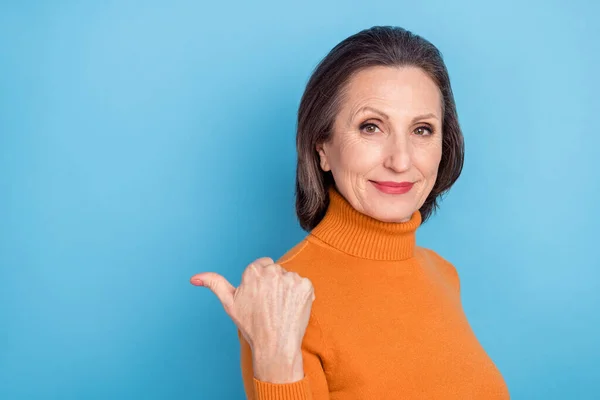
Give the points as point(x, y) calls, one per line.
point(393, 187)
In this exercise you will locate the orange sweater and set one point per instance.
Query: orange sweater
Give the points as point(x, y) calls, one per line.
point(387, 321)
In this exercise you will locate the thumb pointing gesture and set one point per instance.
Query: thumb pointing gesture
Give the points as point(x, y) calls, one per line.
point(218, 285)
point(271, 307)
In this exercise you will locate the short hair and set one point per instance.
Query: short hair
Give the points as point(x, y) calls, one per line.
point(321, 100)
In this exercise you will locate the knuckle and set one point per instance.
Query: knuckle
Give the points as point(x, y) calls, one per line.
point(266, 260)
point(213, 285)
point(306, 283)
point(262, 261)
point(292, 274)
point(273, 268)
point(249, 273)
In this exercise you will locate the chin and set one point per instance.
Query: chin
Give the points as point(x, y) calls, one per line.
point(390, 208)
point(391, 215)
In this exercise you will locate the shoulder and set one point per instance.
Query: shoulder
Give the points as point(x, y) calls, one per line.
point(309, 260)
point(445, 267)
point(293, 252)
point(303, 258)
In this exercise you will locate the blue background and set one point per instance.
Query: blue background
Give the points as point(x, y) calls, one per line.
point(142, 142)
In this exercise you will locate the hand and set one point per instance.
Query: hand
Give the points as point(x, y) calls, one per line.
point(271, 307)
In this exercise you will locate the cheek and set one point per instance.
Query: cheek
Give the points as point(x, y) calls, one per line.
point(427, 159)
point(359, 156)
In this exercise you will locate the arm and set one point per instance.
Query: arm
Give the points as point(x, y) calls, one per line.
point(259, 375)
point(271, 309)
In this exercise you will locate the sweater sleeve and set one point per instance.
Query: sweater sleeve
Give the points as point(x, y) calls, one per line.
point(312, 387)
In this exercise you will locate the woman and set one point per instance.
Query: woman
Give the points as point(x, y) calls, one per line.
point(378, 143)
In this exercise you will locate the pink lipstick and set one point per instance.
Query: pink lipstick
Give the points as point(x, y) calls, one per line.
point(393, 187)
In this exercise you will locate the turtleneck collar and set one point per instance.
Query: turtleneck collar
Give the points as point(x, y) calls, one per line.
point(352, 232)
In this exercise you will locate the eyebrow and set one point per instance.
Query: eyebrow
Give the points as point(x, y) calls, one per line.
point(386, 117)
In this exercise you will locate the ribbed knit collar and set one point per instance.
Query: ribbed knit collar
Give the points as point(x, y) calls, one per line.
point(357, 234)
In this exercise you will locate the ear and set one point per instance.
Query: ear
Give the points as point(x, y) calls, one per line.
point(323, 158)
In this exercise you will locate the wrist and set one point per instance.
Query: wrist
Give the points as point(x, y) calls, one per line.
point(284, 367)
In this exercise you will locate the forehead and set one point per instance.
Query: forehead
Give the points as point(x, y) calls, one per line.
point(397, 89)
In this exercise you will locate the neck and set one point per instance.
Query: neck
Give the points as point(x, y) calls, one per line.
point(357, 234)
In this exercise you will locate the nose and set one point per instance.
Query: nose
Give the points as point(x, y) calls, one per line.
point(398, 153)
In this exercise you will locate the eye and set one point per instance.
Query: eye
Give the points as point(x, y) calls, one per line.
point(419, 131)
point(369, 128)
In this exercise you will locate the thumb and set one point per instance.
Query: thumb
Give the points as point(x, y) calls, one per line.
point(218, 285)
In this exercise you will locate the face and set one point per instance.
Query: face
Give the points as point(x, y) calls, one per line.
point(388, 130)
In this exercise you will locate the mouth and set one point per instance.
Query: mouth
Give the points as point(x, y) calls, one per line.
point(393, 187)
point(394, 184)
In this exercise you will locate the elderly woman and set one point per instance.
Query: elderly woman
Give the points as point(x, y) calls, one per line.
point(356, 310)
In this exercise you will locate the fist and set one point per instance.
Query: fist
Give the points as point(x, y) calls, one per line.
point(271, 307)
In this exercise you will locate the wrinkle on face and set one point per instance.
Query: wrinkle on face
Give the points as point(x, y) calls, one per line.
point(394, 152)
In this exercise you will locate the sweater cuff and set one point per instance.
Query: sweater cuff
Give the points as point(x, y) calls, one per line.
point(299, 390)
